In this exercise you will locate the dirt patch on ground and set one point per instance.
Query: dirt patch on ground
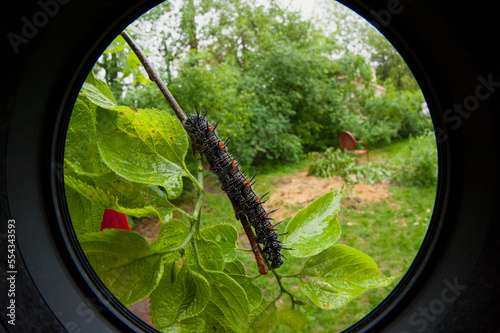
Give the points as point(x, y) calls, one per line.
point(141, 310)
point(296, 191)
point(148, 228)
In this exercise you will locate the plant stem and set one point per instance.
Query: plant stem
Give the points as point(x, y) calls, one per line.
point(155, 77)
point(199, 201)
point(283, 289)
point(243, 250)
point(184, 243)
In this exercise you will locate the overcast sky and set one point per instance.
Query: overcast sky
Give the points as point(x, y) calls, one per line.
point(306, 7)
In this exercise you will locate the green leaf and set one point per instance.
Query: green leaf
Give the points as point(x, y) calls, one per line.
point(190, 325)
point(315, 227)
point(97, 96)
point(100, 85)
point(210, 255)
point(80, 151)
point(264, 318)
point(142, 79)
point(136, 199)
point(334, 277)
point(145, 146)
point(133, 61)
point(294, 319)
point(225, 235)
point(125, 263)
point(115, 48)
point(170, 236)
point(86, 216)
point(176, 269)
point(95, 195)
point(126, 73)
point(228, 307)
point(114, 192)
point(236, 270)
point(185, 298)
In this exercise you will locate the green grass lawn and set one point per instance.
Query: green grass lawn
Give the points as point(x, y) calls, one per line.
point(390, 231)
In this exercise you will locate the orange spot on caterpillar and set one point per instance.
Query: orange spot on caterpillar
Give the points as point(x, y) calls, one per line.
point(258, 200)
point(266, 215)
point(235, 164)
point(221, 144)
point(271, 226)
point(247, 183)
point(211, 129)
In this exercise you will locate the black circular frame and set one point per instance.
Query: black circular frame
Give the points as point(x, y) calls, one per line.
point(450, 46)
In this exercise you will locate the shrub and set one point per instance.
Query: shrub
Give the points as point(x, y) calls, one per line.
point(394, 115)
point(419, 168)
point(337, 162)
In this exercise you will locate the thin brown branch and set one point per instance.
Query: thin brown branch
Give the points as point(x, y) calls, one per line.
point(251, 238)
point(155, 77)
point(255, 248)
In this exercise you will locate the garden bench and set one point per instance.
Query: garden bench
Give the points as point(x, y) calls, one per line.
point(348, 141)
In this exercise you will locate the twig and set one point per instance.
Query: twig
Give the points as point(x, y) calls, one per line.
point(283, 290)
point(155, 77)
point(255, 248)
point(251, 238)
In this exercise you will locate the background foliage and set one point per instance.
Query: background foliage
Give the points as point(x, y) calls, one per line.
point(283, 86)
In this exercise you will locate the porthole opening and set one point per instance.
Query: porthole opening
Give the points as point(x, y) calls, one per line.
point(319, 102)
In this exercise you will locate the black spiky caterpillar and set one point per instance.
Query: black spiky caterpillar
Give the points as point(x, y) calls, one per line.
point(237, 187)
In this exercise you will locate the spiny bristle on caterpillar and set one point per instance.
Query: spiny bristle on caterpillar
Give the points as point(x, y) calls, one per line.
point(235, 184)
point(262, 196)
point(272, 211)
point(277, 224)
point(239, 159)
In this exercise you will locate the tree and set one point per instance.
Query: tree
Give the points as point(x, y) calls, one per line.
point(357, 36)
point(391, 68)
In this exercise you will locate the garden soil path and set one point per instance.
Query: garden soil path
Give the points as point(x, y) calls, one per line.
point(289, 193)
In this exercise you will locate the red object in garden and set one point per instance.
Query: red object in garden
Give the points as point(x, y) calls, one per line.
point(114, 220)
point(348, 141)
